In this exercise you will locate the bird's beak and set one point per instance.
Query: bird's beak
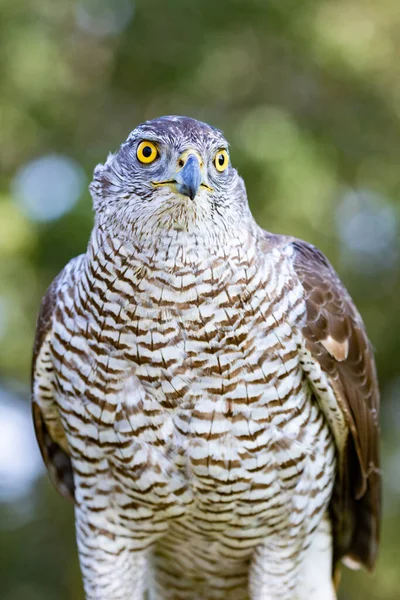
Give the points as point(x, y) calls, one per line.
point(189, 178)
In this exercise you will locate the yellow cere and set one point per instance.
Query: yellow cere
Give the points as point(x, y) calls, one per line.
point(147, 152)
point(221, 160)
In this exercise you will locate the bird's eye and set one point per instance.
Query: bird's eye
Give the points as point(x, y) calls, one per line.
point(221, 160)
point(147, 152)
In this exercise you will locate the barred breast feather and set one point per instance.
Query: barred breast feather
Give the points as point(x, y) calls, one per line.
point(211, 399)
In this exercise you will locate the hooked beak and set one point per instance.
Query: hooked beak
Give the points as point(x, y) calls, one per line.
point(189, 178)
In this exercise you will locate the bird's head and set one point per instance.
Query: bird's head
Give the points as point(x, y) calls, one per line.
point(171, 173)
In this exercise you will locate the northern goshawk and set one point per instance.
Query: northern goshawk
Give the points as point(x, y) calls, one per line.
point(204, 390)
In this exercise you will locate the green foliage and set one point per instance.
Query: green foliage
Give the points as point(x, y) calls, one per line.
point(308, 95)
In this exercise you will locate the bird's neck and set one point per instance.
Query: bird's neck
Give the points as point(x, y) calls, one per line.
point(172, 250)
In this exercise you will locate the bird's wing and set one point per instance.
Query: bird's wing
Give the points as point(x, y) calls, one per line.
point(49, 431)
point(336, 340)
point(339, 363)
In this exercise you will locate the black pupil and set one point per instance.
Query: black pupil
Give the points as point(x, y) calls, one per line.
point(147, 151)
point(221, 160)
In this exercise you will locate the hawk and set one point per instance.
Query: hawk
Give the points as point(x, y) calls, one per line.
point(204, 390)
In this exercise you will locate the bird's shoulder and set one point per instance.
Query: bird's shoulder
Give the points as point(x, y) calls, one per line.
point(321, 284)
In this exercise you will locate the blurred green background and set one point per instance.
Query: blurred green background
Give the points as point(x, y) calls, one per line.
point(307, 92)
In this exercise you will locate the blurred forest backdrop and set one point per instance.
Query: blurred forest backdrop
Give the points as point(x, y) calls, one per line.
point(307, 92)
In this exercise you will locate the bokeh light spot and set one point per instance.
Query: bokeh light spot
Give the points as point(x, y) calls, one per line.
point(20, 461)
point(367, 226)
point(48, 187)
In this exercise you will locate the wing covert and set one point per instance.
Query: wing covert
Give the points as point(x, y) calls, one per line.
point(336, 337)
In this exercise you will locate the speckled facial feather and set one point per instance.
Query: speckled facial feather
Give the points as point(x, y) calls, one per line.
point(125, 198)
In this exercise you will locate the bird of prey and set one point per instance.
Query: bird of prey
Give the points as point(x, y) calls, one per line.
point(204, 390)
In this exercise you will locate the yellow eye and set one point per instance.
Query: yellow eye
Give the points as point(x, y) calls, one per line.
point(147, 152)
point(221, 160)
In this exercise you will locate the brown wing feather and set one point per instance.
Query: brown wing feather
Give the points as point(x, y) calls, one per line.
point(336, 337)
point(56, 459)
